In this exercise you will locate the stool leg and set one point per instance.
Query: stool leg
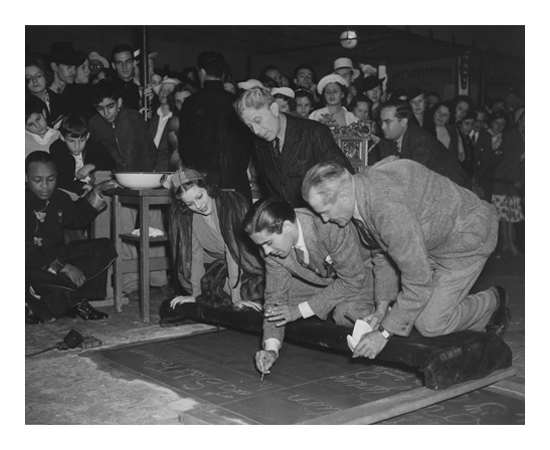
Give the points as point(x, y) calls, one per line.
point(144, 257)
point(117, 265)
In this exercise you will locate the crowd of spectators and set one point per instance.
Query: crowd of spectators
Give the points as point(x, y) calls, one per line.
point(95, 113)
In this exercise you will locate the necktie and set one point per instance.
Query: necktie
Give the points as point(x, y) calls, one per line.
point(276, 150)
point(300, 256)
point(364, 234)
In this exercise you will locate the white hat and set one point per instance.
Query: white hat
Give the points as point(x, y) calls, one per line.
point(345, 63)
point(283, 91)
point(165, 80)
point(331, 78)
point(246, 85)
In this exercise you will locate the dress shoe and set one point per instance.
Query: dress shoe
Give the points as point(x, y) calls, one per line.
point(87, 312)
point(500, 319)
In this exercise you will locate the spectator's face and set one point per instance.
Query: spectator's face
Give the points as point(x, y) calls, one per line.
point(303, 106)
point(66, 73)
point(197, 200)
point(432, 101)
point(36, 124)
point(498, 125)
point(304, 78)
point(124, 65)
point(346, 74)
point(275, 244)
point(467, 125)
point(283, 104)
point(109, 108)
point(41, 179)
point(164, 91)
point(333, 94)
point(263, 122)
point(76, 145)
point(392, 127)
point(374, 94)
point(418, 104)
point(479, 123)
point(461, 110)
point(83, 72)
point(180, 98)
point(442, 116)
point(339, 212)
point(35, 79)
point(361, 111)
point(275, 75)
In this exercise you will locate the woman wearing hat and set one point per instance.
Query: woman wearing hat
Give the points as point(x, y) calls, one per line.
point(372, 89)
point(216, 262)
point(334, 89)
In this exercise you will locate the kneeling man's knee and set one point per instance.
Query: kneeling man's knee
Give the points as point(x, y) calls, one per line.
point(429, 328)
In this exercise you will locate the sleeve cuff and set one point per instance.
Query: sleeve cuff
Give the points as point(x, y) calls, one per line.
point(272, 344)
point(55, 267)
point(305, 310)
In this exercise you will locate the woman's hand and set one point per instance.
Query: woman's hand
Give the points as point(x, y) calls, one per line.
point(243, 304)
point(180, 299)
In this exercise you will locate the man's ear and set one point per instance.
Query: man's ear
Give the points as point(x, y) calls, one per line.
point(54, 66)
point(345, 196)
point(87, 136)
point(274, 108)
point(119, 101)
point(26, 178)
point(113, 66)
point(404, 122)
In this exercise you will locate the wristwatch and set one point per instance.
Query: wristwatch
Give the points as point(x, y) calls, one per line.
point(385, 333)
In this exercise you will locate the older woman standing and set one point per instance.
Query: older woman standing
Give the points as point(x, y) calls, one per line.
point(334, 89)
point(216, 262)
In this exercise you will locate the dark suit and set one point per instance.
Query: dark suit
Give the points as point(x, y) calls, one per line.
point(306, 143)
point(212, 138)
point(346, 284)
point(420, 146)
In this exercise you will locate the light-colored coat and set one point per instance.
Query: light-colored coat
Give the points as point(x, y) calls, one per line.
point(323, 287)
point(422, 221)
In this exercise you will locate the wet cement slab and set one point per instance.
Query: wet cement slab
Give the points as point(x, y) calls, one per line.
point(217, 370)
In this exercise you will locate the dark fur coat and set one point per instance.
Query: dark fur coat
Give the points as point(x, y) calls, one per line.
point(231, 207)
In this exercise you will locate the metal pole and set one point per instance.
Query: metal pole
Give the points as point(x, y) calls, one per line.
point(144, 71)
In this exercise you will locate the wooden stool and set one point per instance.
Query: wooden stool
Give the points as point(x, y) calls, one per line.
point(144, 264)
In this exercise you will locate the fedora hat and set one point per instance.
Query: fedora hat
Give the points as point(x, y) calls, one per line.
point(64, 53)
point(345, 63)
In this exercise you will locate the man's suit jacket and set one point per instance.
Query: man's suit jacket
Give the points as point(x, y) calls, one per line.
point(306, 143)
point(420, 146)
point(322, 284)
point(422, 222)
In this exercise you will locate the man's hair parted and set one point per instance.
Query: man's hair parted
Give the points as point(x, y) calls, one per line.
point(328, 179)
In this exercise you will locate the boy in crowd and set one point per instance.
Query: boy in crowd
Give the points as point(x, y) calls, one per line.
point(38, 136)
point(60, 277)
point(76, 156)
point(126, 137)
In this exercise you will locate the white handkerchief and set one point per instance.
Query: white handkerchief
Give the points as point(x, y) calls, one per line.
point(153, 232)
point(361, 327)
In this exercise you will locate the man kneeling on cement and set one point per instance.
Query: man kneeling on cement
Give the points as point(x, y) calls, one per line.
point(438, 234)
point(311, 269)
